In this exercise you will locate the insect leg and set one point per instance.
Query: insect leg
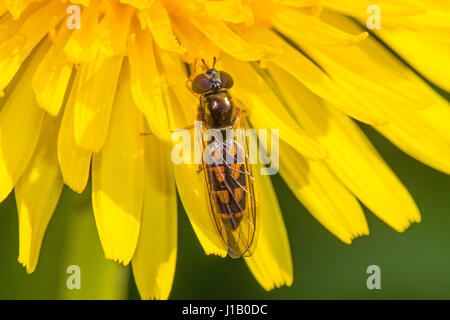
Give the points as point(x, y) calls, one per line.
point(241, 113)
point(192, 76)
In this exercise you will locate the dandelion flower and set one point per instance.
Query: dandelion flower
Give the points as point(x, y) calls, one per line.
point(75, 102)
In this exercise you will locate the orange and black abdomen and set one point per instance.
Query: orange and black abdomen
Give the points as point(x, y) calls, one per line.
point(228, 183)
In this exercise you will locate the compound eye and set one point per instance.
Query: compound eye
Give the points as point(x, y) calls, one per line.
point(201, 84)
point(226, 80)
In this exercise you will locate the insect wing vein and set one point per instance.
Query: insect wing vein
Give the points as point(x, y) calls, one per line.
point(232, 200)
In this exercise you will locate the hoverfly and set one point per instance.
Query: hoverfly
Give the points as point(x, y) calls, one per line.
point(226, 166)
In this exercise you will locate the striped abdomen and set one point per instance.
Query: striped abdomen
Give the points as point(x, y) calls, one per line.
point(228, 185)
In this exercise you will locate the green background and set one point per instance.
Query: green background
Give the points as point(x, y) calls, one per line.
point(414, 264)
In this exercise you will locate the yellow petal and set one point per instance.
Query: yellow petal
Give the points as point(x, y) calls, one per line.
point(114, 29)
point(353, 159)
point(140, 4)
point(117, 178)
point(297, 3)
point(314, 78)
point(16, 7)
point(370, 67)
point(37, 193)
point(99, 75)
point(20, 124)
point(25, 36)
point(147, 85)
point(197, 44)
point(271, 263)
point(413, 15)
point(414, 131)
point(84, 3)
point(182, 105)
point(360, 7)
point(228, 41)
point(428, 56)
point(84, 41)
point(259, 98)
point(290, 21)
point(192, 188)
point(156, 252)
point(3, 8)
point(424, 134)
point(233, 11)
point(52, 76)
point(93, 103)
point(325, 197)
point(74, 161)
point(158, 21)
point(102, 34)
point(438, 116)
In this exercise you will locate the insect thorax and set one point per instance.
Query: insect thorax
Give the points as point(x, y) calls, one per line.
point(217, 109)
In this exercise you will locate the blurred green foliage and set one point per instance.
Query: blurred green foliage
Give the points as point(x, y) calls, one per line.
point(71, 239)
point(414, 264)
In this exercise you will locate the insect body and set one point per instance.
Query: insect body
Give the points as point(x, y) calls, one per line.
point(227, 170)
